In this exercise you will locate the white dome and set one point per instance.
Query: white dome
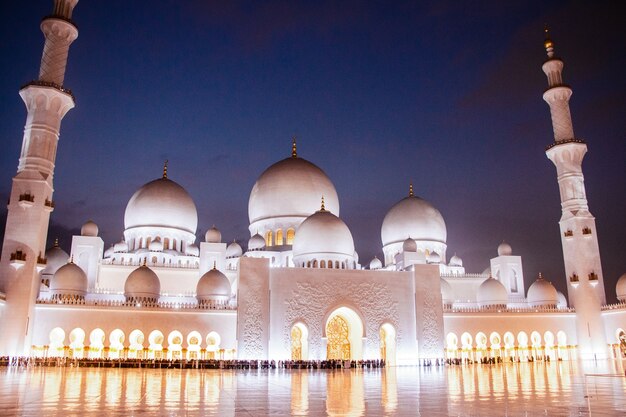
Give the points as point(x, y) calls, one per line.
point(492, 293)
point(192, 250)
point(291, 188)
point(69, 280)
point(142, 285)
point(256, 242)
point(455, 261)
point(161, 203)
point(409, 245)
point(213, 286)
point(122, 246)
point(415, 217)
point(89, 229)
point(447, 295)
point(55, 259)
point(542, 293)
point(376, 263)
point(156, 245)
point(562, 303)
point(233, 250)
point(620, 288)
point(323, 234)
point(434, 258)
point(213, 235)
point(504, 249)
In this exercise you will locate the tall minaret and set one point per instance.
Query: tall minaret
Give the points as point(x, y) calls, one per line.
point(578, 227)
point(30, 202)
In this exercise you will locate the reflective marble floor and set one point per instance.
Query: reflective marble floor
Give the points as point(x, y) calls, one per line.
point(527, 389)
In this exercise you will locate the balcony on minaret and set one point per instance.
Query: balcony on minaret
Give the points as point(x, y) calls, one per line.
point(41, 263)
point(26, 200)
point(586, 231)
point(18, 259)
point(593, 279)
point(574, 280)
point(568, 233)
point(48, 205)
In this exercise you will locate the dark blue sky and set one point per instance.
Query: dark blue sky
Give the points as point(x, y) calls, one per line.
point(443, 94)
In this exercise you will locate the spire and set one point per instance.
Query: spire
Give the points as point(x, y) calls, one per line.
point(56, 242)
point(323, 208)
point(411, 190)
point(214, 265)
point(547, 43)
point(540, 277)
point(294, 151)
point(144, 262)
point(165, 169)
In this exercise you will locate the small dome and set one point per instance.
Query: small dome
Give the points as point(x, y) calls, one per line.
point(620, 288)
point(55, 259)
point(213, 235)
point(69, 281)
point(492, 293)
point(323, 235)
point(256, 242)
point(89, 229)
point(447, 295)
point(161, 203)
point(562, 303)
point(456, 261)
point(409, 245)
point(504, 249)
point(213, 286)
point(142, 285)
point(192, 250)
point(120, 246)
point(376, 263)
point(233, 250)
point(434, 258)
point(156, 246)
point(542, 294)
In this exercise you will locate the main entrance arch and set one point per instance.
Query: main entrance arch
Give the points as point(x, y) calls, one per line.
point(344, 335)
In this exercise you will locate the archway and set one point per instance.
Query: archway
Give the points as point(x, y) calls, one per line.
point(452, 345)
point(77, 342)
point(174, 345)
point(299, 342)
point(135, 348)
point(155, 349)
point(116, 343)
point(213, 341)
point(388, 344)
point(194, 339)
point(96, 343)
point(344, 333)
point(57, 339)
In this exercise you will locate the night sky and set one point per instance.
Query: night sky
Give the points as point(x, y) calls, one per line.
point(445, 94)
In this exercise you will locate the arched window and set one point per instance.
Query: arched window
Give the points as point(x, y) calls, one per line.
point(268, 238)
point(322, 264)
point(291, 234)
point(279, 237)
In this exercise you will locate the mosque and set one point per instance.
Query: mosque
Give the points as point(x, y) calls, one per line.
point(298, 290)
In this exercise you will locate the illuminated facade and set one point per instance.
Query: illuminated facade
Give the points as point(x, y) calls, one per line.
point(298, 291)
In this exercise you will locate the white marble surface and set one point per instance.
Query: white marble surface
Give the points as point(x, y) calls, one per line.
point(527, 389)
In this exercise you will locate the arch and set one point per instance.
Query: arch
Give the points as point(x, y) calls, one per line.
point(291, 234)
point(213, 341)
point(116, 343)
point(535, 339)
point(481, 340)
point(322, 264)
point(344, 336)
point(135, 340)
point(57, 342)
point(77, 342)
point(509, 340)
point(387, 334)
point(299, 342)
point(174, 345)
point(268, 238)
point(155, 347)
point(279, 237)
point(452, 341)
point(96, 343)
point(194, 339)
point(495, 342)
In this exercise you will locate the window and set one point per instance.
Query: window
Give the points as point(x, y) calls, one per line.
point(279, 237)
point(291, 234)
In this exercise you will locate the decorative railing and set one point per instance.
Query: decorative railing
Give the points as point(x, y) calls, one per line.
point(448, 309)
point(618, 306)
point(18, 255)
point(473, 275)
point(41, 83)
point(60, 17)
point(129, 304)
point(561, 142)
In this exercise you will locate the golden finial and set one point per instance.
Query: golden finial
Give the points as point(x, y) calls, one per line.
point(411, 190)
point(323, 208)
point(56, 242)
point(214, 265)
point(72, 259)
point(165, 169)
point(144, 261)
point(294, 152)
point(547, 43)
point(540, 277)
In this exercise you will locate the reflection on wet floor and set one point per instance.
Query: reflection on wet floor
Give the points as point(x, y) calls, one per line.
point(554, 389)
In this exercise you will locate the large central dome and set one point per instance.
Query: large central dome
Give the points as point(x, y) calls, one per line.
point(161, 203)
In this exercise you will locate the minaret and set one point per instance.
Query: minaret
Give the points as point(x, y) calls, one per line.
point(30, 201)
point(578, 227)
